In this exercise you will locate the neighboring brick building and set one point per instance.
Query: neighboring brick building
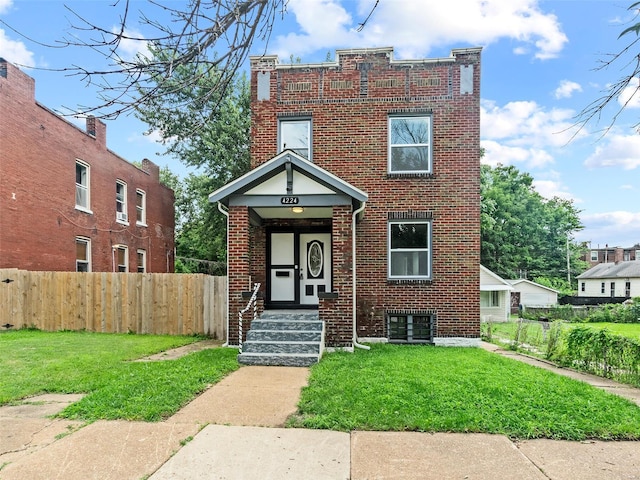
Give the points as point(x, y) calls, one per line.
point(395, 144)
point(612, 255)
point(68, 203)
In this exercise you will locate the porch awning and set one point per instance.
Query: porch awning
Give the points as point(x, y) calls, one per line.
point(289, 186)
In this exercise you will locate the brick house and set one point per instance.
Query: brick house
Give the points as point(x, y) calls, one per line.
point(612, 255)
point(67, 203)
point(363, 203)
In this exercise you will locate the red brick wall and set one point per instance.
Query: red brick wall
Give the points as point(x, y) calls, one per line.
point(350, 140)
point(38, 218)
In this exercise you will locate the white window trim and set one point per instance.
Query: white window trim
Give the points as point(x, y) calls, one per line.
point(116, 265)
point(143, 222)
point(144, 261)
point(428, 249)
point(125, 207)
point(87, 242)
point(308, 120)
point(409, 338)
point(87, 208)
point(429, 145)
point(594, 255)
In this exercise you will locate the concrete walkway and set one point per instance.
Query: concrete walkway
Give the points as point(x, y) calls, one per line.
point(234, 431)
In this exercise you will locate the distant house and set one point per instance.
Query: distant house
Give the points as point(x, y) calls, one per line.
point(531, 294)
point(67, 202)
point(614, 280)
point(612, 254)
point(494, 296)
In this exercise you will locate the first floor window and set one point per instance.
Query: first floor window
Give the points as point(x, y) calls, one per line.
point(613, 289)
point(410, 144)
point(83, 254)
point(409, 250)
point(142, 261)
point(296, 135)
point(602, 287)
point(490, 299)
point(582, 286)
point(409, 328)
point(121, 258)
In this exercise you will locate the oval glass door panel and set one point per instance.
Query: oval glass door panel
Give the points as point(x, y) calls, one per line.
point(315, 259)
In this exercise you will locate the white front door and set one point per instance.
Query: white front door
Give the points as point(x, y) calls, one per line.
point(315, 266)
point(299, 267)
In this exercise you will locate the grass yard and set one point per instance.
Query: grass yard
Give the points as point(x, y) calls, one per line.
point(98, 364)
point(630, 330)
point(424, 388)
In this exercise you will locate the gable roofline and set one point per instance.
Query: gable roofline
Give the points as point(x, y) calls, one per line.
point(276, 165)
point(501, 285)
point(524, 280)
point(627, 269)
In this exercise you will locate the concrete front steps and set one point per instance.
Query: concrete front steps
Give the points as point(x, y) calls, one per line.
point(285, 338)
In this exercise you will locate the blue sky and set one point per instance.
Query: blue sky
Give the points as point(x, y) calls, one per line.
point(538, 72)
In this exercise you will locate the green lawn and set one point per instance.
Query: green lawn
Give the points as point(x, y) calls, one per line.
point(424, 388)
point(630, 330)
point(98, 364)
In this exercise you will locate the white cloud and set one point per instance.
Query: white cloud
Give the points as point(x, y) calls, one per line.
point(630, 96)
point(553, 188)
point(414, 30)
point(566, 89)
point(620, 228)
point(15, 52)
point(501, 154)
point(616, 151)
point(132, 45)
point(5, 5)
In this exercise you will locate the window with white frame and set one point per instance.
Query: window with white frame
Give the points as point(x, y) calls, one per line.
point(490, 299)
point(82, 186)
point(121, 201)
point(410, 144)
point(120, 258)
point(141, 207)
point(594, 255)
point(409, 328)
point(141, 261)
point(602, 288)
point(295, 134)
point(83, 254)
point(409, 249)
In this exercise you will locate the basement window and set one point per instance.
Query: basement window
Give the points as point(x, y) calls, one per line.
point(414, 328)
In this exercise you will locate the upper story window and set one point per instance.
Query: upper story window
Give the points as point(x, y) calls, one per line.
point(637, 254)
point(83, 196)
point(295, 134)
point(121, 201)
point(410, 144)
point(120, 258)
point(83, 254)
point(594, 255)
point(141, 207)
point(409, 250)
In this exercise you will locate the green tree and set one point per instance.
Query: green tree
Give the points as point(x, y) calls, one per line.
point(208, 130)
point(523, 234)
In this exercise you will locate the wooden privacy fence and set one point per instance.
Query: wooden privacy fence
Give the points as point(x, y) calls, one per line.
point(159, 303)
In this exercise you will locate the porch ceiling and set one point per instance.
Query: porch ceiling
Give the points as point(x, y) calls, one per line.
point(286, 212)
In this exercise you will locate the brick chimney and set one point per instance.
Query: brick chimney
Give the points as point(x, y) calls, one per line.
point(151, 169)
point(97, 129)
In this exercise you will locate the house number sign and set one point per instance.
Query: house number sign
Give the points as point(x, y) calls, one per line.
point(289, 200)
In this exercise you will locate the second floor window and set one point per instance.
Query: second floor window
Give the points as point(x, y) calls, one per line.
point(141, 207)
point(410, 144)
point(82, 186)
point(594, 255)
point(121, 201)
point(295, 135)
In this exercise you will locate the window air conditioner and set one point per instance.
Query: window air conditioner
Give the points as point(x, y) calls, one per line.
point(121, 216)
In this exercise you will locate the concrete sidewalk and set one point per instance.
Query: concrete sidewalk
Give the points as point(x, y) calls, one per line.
point(234, 431)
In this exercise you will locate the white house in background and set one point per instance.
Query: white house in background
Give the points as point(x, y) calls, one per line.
point(620, 279)
point(531, 294)
point(494, 297)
